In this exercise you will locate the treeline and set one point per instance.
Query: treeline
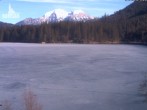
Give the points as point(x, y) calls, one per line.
point(96, 31)
point(117, 28)
point(77, 32)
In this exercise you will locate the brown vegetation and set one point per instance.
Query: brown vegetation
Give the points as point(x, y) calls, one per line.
point(31, 102)
point(6, 105)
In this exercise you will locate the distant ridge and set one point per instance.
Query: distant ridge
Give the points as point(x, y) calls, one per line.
point(2, 24)
point(136, 9)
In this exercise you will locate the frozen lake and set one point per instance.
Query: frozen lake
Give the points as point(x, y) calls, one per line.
point(73, 76)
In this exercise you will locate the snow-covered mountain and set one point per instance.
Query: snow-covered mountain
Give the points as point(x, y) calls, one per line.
point(56, 16)
point(30, 21)
point(78, 15)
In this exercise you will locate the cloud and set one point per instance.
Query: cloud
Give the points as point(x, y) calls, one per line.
point(49, 1)
point(59, 1)
point(11, 13)
point(71, 1)
point(93, 9)
point(67, 1)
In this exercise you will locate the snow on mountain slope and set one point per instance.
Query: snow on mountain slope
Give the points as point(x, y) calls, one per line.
point(78, 11)
point(60, 13)
point(56, 16)
point(78, 15)
point(30, 21)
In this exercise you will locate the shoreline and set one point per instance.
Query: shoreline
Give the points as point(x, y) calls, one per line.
point(94, 43)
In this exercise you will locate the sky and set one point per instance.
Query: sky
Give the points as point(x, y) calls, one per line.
point(13, 11)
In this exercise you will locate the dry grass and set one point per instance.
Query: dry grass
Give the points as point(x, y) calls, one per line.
point(6, 105)
point(31, 102)
point(29, 99)
point(143, 88)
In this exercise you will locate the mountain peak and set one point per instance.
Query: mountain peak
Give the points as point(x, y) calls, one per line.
point(57, 15)
point(60, 13)
point(78, 12)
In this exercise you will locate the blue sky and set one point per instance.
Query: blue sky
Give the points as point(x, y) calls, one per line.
point(12, 11)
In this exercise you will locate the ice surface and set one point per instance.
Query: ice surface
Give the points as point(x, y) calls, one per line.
point(74, 77)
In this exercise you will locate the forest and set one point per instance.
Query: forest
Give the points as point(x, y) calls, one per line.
point(124, 26)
